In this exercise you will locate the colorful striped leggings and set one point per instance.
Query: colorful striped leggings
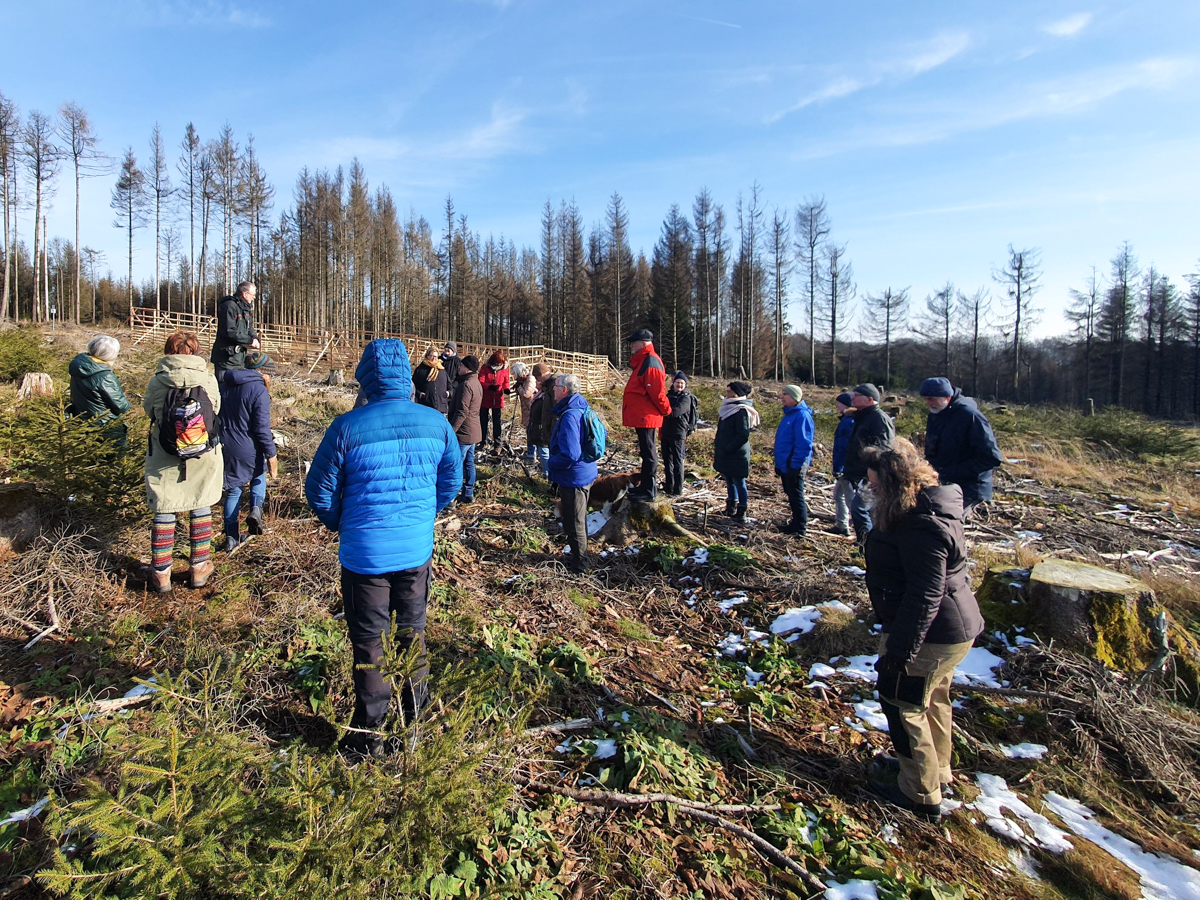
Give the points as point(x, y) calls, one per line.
point(162, 538)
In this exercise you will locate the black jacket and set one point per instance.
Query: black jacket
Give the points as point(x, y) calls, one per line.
point(450, 364)
point(960, 445)
point(235, 332)
point(431, 393)
point(917, 576)
point(683, 417)
point(731, 447)
point(872, 428)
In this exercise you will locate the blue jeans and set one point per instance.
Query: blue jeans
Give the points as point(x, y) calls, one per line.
point(860, 516)
point(468, 484)
point(737, 491)
point(543, 456)
point(233, 499)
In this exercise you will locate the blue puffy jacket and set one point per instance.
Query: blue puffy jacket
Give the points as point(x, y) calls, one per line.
point(567, 469)
point(794, 438)
point(841, 440)
point(245, 426)
point(384, 470)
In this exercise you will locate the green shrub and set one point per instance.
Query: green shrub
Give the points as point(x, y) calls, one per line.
point(21, 352)
point(731, 559)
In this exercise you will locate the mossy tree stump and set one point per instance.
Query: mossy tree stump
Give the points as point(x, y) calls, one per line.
point(634, 518)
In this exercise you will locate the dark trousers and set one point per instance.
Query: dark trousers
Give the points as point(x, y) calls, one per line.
point(673, 446)
point(370, 601)
point(495, 415)
point(648, 450)
point(793, 486)
point(574, 517)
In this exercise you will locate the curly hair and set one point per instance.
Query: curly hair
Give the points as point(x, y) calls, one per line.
point(902, 475)
point(497, 359)
point(182, 342)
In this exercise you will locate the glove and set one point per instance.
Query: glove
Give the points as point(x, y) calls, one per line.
point(889, 666)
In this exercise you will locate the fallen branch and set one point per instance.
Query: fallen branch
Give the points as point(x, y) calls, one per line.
point(561, 727)
point(54, 623)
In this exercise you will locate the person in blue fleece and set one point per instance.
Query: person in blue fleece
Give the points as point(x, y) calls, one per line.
point(793, 454)
point(843, 490)
point(381, 475)
point(569, 470)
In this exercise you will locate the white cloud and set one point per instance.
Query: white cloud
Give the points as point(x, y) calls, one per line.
point(1070, 26)
point(940, 51)
point(836, 89)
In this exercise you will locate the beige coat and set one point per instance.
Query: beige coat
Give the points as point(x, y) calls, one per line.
point(166, 492)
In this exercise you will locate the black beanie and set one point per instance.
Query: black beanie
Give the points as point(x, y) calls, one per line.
point(471, 362)
point(741, 388)
point(679, 376)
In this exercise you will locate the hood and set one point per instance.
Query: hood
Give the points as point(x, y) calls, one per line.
point(943, 501)
point(799, 407)
point(965, 402)
point(571, 401)
point(84, 366)
point(383, 372)
point(183, 370)
point(238, 377)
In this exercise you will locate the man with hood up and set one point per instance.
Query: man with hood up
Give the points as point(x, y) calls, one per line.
point(381, 475)
point(959, 442)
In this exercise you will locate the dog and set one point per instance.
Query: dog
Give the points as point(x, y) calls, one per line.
point(606, 490)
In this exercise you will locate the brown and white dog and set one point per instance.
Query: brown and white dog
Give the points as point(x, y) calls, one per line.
point(606, 490)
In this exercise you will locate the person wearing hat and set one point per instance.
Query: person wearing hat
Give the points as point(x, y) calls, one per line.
point(793, 454)
point(464, 420)
point(842, 489)
point(959, 442)
point(450, 361)
point(731, 448)
point(872, 428)
point(250, 454)
point(643, 406)
point(676, 428)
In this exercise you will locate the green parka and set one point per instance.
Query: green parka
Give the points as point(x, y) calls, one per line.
point(166, 490)
point(96, 393)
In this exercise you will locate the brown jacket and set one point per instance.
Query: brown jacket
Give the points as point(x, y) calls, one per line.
point(464, 410)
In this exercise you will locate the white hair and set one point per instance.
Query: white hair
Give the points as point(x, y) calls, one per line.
point(246, 287)
point(104, 347)
point(569, 383)
point(519, 370)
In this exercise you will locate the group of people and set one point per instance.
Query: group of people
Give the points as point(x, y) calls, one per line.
point(387, 468)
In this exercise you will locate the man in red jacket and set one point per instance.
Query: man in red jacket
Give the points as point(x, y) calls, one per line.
point(643, 406)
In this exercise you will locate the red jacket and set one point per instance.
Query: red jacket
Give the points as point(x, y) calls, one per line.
point(494, 383)
point(645, 401)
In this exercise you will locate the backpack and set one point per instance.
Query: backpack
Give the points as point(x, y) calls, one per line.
point(593, 435)
point(189, 427)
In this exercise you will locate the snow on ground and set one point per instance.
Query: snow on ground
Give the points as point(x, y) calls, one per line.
point(1163, 878)
point(860, 667)
point(851, 890)
point(1024, 751)
point(752, 677)
point(872, 714)
point(800, 620)
point(1026, 826)
point(820, 670)
point(979, 668)
point(28, 813)
point(596, 521)
point(699, 557)
point(731, 601)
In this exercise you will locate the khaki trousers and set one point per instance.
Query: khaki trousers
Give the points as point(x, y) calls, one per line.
point(919, 717)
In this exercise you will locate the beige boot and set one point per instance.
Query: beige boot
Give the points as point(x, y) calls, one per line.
point(201, 574)
point(162, 581)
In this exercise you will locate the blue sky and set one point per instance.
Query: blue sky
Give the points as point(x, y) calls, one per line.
point(938, 135)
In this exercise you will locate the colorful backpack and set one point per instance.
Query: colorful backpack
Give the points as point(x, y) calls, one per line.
point(189, 427)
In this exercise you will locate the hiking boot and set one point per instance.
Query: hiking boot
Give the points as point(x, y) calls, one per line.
point(840, 530)
point(162, 581)
point(887, 768)
point(892, 793)
point(232, 542)
point(740, 515)
point(641, 495)
point(201, 573)
point(254, 521)
point(356, 746)
point(730, 508)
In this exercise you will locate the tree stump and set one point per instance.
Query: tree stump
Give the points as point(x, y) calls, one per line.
point(634, 518)
point(337, 378)
point(35, 384)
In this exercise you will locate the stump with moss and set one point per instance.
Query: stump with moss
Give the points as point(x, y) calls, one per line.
point(636, 518)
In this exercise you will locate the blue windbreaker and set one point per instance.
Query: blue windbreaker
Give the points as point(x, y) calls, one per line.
point(794, 438)
point(383, 471)
point(841, 440)
point(567, 469)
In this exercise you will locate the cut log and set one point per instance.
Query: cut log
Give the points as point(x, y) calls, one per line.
point(337, 378)
point(35, 384)
point(636, 518)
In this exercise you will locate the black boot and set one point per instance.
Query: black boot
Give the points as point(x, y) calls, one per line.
point(254, 521)
point(740, 515)
point(730, 508)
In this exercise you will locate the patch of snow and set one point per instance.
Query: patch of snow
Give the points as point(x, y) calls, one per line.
point(1030, 535)
point(606, 748)
point(731, 601)
point(814, 685)
point(596, 521)
point(854, 570)
point(140, 690)
point(28, 812)
point(800, 620)
point(820, 670)
point(758, 637)
point(889, 834)
point(699, 557)
point(566, 551)
point(979, 667)
point(857, 889)
point(860, 667)
point(1162, 878)
point(1023, 863)
point(731, 645)
point(753, 678)
point(1029, 828)
point(872, 714)
point(1024, 751)
point(836, 604)
point(1015, 461)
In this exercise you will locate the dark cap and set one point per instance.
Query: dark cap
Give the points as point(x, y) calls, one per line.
point(868, 390)
point(471, 362)
point(680, 376)
point(642, 334)
point(936, 387)
point(845, 398)
point(451, 346)
point(741, 388)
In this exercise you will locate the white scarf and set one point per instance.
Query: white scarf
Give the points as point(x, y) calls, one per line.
point(731, 405)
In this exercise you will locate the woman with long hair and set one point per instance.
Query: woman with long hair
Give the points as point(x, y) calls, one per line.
point(430, 380)
point(921, 591)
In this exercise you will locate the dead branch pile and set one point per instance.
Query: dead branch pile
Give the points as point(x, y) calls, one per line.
point(1102, 711)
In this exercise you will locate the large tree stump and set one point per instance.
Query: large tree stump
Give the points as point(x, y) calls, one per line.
point(631, 519)
point(35, 384)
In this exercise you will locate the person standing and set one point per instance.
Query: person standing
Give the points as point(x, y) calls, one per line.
point(248, 443)
point(450, 361)
point(429, 382)
point(493, 378)
point(677, 427)
point(185, 463)
point(569, 470)
point(872, 428)
point(793, 454)
point(731, 448)
point(842, 489)
point(465, 422)
point(235, 330)
point(920, 588)
point(643, 406)
point(525, 385)
point(95, 390)
point(541, 422)
point(959, 442)
point(379, 478)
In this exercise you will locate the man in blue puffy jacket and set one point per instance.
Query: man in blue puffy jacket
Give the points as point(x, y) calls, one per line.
point(959, 442)
point(568, 470)
point(381, 475)
point(793, 454)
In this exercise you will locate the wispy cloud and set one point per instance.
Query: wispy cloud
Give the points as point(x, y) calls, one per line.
point(934, 53)
point(708, 21)
point(1070, 26)
point(210, 13)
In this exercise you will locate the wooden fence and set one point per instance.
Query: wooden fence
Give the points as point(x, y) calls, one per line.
point(342, 350)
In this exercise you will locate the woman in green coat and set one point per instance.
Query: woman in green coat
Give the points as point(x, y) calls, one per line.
point(731, 449)
point(173, 484)
point(95, 391)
